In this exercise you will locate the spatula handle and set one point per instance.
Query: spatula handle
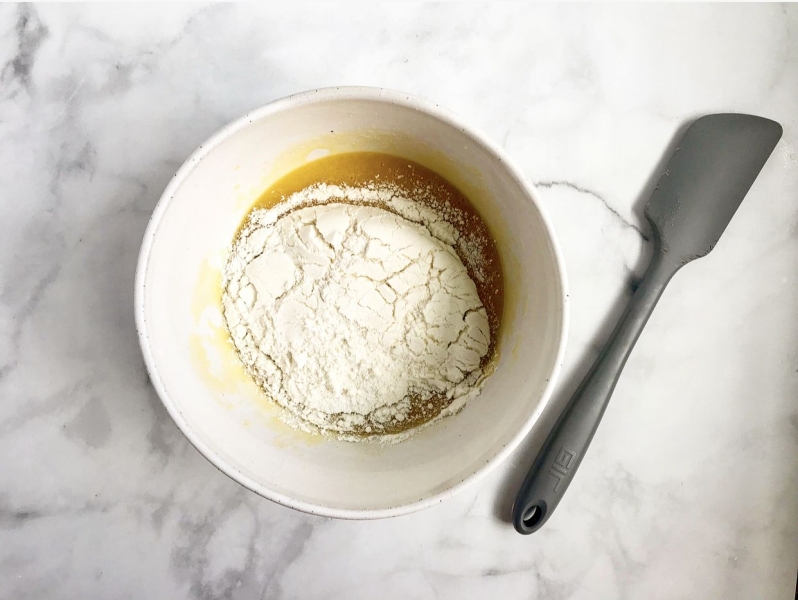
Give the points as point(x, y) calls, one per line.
point(558, 460)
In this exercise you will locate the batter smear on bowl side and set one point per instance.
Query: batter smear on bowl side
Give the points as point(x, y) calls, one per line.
point(366, 306)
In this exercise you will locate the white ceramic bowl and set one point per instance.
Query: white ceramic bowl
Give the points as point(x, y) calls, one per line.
point(195, 370)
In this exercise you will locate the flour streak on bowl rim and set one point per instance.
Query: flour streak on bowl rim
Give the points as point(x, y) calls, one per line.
point(359, 93)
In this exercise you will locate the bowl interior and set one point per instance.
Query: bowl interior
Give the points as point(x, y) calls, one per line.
point(196, 372)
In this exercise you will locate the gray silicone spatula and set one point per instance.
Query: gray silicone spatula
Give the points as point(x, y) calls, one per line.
point(705, 181)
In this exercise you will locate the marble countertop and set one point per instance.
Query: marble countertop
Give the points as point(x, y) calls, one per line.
point(690, 489)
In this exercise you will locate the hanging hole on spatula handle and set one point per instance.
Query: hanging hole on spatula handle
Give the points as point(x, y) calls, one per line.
point(532, 517)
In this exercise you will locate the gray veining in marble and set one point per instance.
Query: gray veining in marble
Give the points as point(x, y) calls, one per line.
point(691, 486)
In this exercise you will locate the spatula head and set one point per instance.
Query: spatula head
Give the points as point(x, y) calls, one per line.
point(706, 179)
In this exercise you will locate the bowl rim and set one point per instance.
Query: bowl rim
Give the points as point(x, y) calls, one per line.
point(338, 93)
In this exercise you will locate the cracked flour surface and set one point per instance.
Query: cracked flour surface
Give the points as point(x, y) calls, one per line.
point(352, 316)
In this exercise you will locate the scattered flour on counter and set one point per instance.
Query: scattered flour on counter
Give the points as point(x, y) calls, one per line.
point(354, 315)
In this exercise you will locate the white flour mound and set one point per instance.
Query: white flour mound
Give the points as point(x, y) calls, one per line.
point(347, 314)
